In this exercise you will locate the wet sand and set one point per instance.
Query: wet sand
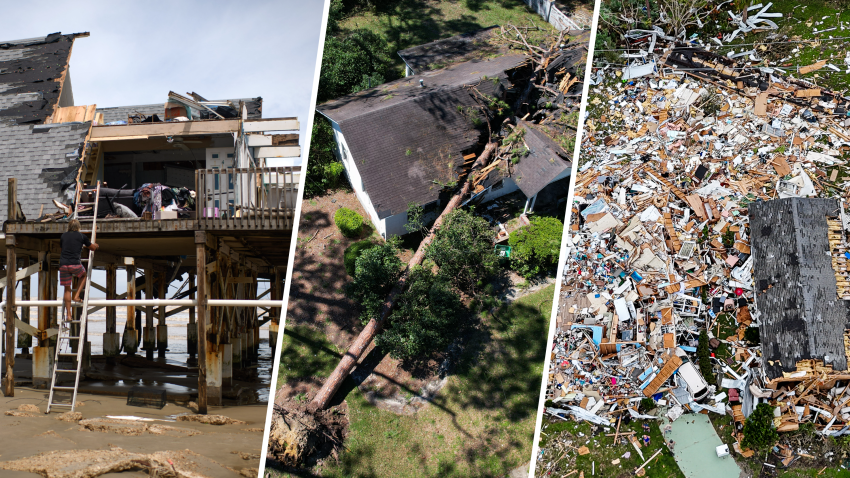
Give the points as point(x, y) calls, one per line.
point(27, 436)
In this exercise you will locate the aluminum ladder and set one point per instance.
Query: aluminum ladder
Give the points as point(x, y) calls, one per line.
point(64, 338)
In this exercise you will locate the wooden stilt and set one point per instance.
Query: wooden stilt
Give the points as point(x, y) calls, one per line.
point(201, 270)
point(11, 285)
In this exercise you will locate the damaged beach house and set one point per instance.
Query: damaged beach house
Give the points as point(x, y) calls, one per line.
point(410, 141)
point(710, 201)
point(185, 191)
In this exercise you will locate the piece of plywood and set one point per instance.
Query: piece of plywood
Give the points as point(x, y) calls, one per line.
point(272, 124)
point(761, 104)
point(813, 67)
point(807, 93)
point(781, 166)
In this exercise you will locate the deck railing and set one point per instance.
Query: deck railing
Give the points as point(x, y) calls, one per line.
point(247, 198)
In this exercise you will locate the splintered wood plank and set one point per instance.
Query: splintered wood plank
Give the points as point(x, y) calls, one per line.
point(813, 67)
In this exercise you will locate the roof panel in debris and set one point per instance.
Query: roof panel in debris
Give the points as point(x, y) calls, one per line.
point(800, 313)
point(544, 162)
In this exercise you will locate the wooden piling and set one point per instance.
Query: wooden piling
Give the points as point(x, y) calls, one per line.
point(11, 285)
point(203, 295)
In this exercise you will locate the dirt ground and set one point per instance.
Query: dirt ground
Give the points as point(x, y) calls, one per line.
point(225, 450)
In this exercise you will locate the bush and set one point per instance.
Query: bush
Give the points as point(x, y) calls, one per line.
point(333, 173)
point(349, 222)
point(647, 404)
point(425, 319)
point(463, 249)
point(704, 357)
point(759, 433)
point(353, 252)
point(535, 248)
point(375, 273)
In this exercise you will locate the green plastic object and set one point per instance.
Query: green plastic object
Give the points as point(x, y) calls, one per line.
point(504, 251)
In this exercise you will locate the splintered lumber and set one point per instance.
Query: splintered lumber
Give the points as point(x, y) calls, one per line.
point(350, 359)
point(672, 364)
point(650, 459)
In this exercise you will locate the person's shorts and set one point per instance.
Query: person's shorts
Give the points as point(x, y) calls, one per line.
point(67, 273)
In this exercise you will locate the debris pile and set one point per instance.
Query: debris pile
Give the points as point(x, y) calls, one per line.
point(660, 247)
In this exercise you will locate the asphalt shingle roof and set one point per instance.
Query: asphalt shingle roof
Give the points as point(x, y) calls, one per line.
point(544, 162)
point(801, 315)
point(120, 113)
point(408, 141)
point(38, 156)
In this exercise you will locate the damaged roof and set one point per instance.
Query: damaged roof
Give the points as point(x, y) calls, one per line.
point(407, 141)
point(39, 156)
point(31, 74)
point(544, 162)
point(800, 314)
point(440, 53)
point(120, 113)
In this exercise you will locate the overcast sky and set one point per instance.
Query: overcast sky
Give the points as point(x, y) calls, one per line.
point(139, 51)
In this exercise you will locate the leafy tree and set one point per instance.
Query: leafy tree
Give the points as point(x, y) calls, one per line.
point(759, 433)
point(353, 252)
point(375, 272)
point(535, 248)
point(463, 249)
point(349, 222)
point(353, 61)
point(425, 319)
point(322, 160)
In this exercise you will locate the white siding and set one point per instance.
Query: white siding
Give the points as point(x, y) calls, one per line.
point(344, 154)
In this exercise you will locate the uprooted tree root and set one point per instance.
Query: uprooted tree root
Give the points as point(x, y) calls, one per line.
point(298, 437)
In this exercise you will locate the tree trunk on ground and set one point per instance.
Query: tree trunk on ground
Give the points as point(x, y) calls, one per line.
point(350, 359)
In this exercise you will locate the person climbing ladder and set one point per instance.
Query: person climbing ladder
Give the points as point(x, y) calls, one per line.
point(70, 266)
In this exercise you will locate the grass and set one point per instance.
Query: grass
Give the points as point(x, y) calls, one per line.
point(480, 425)
point(408, 23)
point(800, 26)
point(604, 451)
point(305, 353)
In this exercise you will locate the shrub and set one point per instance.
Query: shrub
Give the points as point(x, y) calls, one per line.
point(349, 222)
point(333, 173)
point(536, 248)
point(759, 433)
point(353, 252)
point(425, 319)
point(375, 273)
point(703, 356)
point(463, 249)
point(647, 404)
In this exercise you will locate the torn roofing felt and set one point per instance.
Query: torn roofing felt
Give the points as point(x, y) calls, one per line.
point(543, 163)
point(440, 53)
point(120, 113)
point(408, 141)
point(31, 73)
point(39, 156)
point(800, 313)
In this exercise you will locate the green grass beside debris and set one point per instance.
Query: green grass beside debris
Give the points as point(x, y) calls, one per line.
point(603, 451)
point(408, 23)
point(482, 422)
point(305, 353)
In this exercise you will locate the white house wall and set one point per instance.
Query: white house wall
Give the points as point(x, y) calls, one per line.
point(355, 179)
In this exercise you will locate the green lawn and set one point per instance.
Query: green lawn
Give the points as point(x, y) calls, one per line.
point(480, 425)
point(408, 23)
point(604, 452)
point(801, 26)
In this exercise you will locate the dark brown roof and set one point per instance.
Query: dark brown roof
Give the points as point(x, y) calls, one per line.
point(408, 141)
point(441, 53)
point(544, 162)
